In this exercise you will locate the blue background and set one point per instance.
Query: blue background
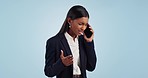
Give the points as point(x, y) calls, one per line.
point(121, 36)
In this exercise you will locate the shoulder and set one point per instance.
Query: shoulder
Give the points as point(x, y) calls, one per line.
point(81, 38)
point(55, 38)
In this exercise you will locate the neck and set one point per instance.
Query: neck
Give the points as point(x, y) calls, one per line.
point(71, 33)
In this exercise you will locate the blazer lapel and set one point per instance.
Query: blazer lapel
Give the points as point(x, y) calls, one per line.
point(65, 44)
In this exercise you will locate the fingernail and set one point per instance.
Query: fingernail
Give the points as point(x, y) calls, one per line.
point(70, 55)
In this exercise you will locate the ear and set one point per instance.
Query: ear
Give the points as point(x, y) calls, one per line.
point(69, 20)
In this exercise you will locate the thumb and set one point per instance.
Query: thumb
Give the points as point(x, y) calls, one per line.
point(62, 54)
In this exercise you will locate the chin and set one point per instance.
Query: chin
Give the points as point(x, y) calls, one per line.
point(80, 34)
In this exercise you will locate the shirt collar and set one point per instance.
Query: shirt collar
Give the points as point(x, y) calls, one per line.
point(69, 36)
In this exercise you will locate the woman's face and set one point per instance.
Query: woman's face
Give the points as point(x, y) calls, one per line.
point(77, 26)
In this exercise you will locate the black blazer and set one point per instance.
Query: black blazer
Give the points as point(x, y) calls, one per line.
point(53, 63)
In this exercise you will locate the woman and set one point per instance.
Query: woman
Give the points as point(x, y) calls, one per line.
point(71, 52)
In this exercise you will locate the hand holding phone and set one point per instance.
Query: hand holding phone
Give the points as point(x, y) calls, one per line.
point(87, 31)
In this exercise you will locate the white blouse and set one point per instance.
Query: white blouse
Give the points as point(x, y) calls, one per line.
point(74, 47)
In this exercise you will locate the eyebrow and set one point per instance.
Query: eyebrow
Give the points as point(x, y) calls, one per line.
point(82, 23)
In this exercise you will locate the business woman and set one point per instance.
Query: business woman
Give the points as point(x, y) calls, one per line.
point(71, 52)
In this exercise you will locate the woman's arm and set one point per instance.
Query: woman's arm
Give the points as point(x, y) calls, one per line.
point(52, 66)
point(91, 56)
point(90, 52)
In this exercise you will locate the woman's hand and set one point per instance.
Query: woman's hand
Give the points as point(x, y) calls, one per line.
point(90, 38)
point(68, 60)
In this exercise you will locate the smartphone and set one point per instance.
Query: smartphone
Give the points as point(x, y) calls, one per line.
point(87, 31)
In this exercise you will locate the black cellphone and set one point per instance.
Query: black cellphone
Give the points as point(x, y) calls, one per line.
point(87, 31)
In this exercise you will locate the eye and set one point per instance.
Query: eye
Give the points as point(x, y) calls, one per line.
point(80, 24)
